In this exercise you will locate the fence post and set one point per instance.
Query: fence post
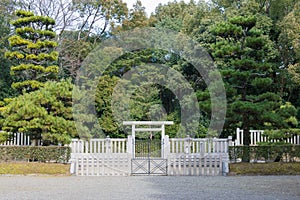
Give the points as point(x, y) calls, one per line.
point(242, 137)
point(258, 137)
point(238, 136)
point(166, 150)
point(108, 145)
point(187, 145)
point(215, 145)
point(253, 137)
point(129, 145)
point(229, 143)
point(225, 167)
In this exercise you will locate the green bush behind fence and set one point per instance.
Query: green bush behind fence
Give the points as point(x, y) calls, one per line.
point(271, 153)
point(35, 153)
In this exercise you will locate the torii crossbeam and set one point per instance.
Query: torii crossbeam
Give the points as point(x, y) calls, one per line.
point(161, 127)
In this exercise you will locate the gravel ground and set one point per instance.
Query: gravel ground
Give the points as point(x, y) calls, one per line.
point(150, 187)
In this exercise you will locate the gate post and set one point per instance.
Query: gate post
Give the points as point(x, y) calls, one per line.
point(166, 147)
point(130, 146)
point(133, 140)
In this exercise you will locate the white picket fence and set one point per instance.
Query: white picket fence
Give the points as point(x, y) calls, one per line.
point(198, 146)
point(257, 136)
point(190, 156)
point(17, 139)
point(187, 156)
point(100, 157)
point(195, 165)
point(104, 164)
point(99, 146)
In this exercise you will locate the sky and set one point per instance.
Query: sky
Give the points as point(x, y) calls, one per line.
point(150, 5)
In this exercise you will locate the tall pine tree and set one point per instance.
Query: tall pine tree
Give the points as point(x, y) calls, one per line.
point(32, 51)
point(245, 56)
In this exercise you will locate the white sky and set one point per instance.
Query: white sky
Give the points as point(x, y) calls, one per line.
point(150, 5)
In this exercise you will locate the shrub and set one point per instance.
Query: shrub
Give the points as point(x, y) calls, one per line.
point(3, 136)
point(35, 153)
point(268, 153)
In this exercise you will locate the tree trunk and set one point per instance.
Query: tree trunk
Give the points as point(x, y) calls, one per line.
point(35, 139)
point(246, 141)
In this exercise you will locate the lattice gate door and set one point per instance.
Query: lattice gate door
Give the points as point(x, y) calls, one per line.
point(148, 158)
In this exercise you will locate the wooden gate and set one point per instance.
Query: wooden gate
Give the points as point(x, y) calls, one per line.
point(148, 158)
point(148, 153)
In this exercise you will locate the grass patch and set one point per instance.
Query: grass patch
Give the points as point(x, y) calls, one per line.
point(25, 168)
point(264, 168)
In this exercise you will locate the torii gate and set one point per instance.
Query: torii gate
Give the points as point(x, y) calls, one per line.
point(134, 129)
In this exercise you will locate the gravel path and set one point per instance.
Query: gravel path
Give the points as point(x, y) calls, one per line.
point(150, 187)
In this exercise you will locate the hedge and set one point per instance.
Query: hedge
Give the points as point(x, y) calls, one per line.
point(274, 153)
point(35, 153)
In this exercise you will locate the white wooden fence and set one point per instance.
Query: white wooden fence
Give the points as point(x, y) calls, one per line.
point(198, 146)
point(100, 157)
point(187, 156)
point(257, 136)
point(195, 165)
point(104, 164)
point(17, 139)
point(99, 146)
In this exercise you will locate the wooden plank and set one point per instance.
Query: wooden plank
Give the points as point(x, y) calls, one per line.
point(93, 165)
point(206, 172)
point(76, 166)
point(82, 166)
point(148, 122)
point(190, 165)
point(148, 129)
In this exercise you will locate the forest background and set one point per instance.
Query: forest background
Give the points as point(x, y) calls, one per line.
point(253, 43)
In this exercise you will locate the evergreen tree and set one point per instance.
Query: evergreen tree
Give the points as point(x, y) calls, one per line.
point(43, 114)
point(289, 47)
point(137, 17)
point(5, 77)
point(176, 15)
point(103, 100)
point(245, 55)
point(32, 51)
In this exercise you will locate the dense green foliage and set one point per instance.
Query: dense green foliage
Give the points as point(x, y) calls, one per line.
point(40, 154)
point(45, 113)
point(254, 44)
point(5, 78)
point(32, 51)
point(136, 18)
point(245, 55)
point(267, 153)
